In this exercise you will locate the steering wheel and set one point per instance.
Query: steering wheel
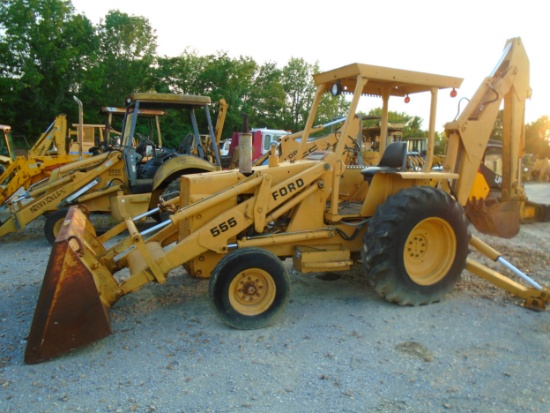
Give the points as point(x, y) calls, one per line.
point(143, 142)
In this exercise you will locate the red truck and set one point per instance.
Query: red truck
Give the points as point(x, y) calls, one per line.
point(261, 141)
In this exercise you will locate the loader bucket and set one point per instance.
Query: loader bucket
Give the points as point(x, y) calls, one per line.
point(69, 312)
point(492, 217)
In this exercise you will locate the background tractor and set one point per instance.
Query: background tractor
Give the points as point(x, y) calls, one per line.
point(541, 170)
point(122, 181)
point(58, 145)
point(7, 149)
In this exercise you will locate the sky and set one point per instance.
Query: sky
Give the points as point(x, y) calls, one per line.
point(463, 39)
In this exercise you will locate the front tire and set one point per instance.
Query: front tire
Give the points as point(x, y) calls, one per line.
point(416, 246)
point(53, 224)
point(249, 288)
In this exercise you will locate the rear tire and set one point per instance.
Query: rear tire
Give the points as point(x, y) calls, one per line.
point(416, 246)
point(53, 224)
point(249, 288)
point(171, 191)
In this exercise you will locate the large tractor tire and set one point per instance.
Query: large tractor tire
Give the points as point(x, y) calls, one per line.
point(53, 224)
point(171, 191)
point(416, 246)
point(249, 288)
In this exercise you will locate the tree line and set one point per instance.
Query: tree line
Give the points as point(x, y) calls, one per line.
point(49, 53)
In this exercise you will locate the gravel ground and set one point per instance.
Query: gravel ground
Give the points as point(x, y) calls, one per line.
point(337, 348)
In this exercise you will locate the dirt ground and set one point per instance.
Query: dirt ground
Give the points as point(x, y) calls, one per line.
point(337, 348)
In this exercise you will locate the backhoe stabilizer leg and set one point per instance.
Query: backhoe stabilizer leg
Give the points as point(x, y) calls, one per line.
point(535, 297)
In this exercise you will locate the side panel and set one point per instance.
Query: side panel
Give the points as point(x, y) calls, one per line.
point(193, 190)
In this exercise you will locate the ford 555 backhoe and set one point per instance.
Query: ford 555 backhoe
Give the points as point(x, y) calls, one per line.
point(236, 226)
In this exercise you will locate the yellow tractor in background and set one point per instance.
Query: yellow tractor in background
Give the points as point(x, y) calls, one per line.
point(50, 151)
point(7, 149)
point(235, 226)
point(57, 146)
point(122, 181)
point(541, 170)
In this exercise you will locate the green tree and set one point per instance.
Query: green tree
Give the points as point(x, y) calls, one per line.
point(127, 54)
point(44, 48)
point(537, 137)
point(231, 79)
point(498, 129)
point(217, 76)
point(179, 74)
point(396, 117)
point(248, 88)
point(267, 97)
point(331, 107)
point(440, 145)
point(300, 91)
point(413, 127)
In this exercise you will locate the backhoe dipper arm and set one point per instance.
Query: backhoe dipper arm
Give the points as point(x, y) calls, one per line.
point(469, 134)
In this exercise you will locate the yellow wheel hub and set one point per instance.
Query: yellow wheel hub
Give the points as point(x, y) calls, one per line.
point(252, 292)
point(57, 227)
point(429, 251)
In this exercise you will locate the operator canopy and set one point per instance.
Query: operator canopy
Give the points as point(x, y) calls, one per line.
point(384, 80)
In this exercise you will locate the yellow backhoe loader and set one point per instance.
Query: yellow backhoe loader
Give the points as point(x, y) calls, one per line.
point(235, 226)
point(55, 147)
point(49, 152)
point(7, 149)
point(124, 181)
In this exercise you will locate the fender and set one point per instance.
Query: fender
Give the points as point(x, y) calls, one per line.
point(175, 167)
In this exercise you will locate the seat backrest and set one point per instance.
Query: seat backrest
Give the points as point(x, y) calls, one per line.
point(395, 155)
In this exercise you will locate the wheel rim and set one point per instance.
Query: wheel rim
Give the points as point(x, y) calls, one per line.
point(252, 292)
point(429, 251)
point(57, 227)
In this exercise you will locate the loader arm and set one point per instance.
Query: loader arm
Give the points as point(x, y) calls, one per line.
point(8, 148)
point(265, 203)
point(24, 173)
point(80, 255)
point(63, 187)
point(56, 135)
point(50, 151)
point(220, 121)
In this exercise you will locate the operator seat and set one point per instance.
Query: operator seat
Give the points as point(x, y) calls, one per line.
point(186, 144)
point(394, 159)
